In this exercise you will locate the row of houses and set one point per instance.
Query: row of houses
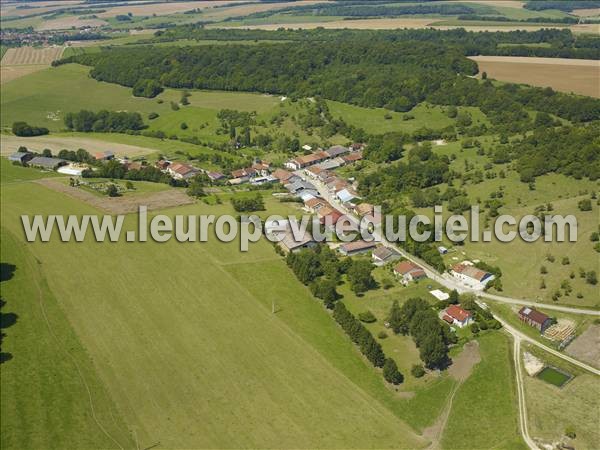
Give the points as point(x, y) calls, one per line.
point(332, 158)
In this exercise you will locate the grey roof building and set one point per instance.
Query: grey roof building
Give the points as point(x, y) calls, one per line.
point(47, 163)
point(20, 157)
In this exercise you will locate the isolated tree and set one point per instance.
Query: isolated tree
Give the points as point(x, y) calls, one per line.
point(395, 318)
point(359, 275)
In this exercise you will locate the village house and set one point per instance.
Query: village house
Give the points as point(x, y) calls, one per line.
point(471, 276)
point(244, 174)
point(383, 255)
point(300, 185)
point(346, 195)
point(455, 315)
point(283, 175)
point(21, 157)
point(162, 164)
point(314, 204)
point(215, 176)
point(352, 157)
point(43, 162)
point(534, 318)
point(356, 247)
point(329, 216)
point(182, 171)
point(409, 271)
point(331, 164)
point(337, 150)
point(364, 209)
point(314, 171)
point(301, 162)
point(262, 168)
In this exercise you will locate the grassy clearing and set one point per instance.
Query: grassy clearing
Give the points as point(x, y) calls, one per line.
point(44, 401)
point(199, 346)
point(488, 399)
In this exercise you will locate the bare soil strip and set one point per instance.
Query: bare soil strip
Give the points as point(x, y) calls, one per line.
point(125, 204)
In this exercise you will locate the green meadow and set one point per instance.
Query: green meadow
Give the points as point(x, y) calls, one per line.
point(191, 357)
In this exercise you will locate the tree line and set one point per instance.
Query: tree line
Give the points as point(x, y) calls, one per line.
point(104, 121)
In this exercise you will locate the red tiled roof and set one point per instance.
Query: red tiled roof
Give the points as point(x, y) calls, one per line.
point(282, 175)
point(352, 157)
point(335, 216)
point(447, 318)
point(456, 312)
point(405, 267)
point(358, 245)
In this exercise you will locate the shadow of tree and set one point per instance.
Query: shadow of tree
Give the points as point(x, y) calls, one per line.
point(7, 271)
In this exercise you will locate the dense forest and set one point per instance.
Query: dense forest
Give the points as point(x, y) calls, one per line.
point(396, 75)
point(562, 5)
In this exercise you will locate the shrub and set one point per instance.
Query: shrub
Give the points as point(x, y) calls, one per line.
point(112, 191)
point(382, 335)
point(152, 115)
point(391, 373)
point(417, 371)
point(585, 205)
point(570, 432)
point(474, 328)
point(367, 317)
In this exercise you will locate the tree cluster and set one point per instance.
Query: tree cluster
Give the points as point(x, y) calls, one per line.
point(104, 121)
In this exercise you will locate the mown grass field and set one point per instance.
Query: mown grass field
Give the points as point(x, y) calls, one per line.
point(194, 357)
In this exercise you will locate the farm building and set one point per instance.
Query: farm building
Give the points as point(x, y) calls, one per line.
point(455, 315)
point(383, 255)
point(331, 164)
point(442, 250)
point(409, 271)
point(244, 174)
point(21, 157)
point(356, 248)
point(162, 164)
point(297, 186)
point(471, 275)
point(46, 163)
point(289, 243)
point(72, 169)
point(104, 156)
point(534, 318)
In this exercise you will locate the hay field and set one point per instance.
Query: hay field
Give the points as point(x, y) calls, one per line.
point(10, 144)
point(11, 10)
point(566, 75)
point(9, 73)
point(31, 55)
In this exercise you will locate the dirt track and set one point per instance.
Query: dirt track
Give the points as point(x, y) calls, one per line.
point(125, 204)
